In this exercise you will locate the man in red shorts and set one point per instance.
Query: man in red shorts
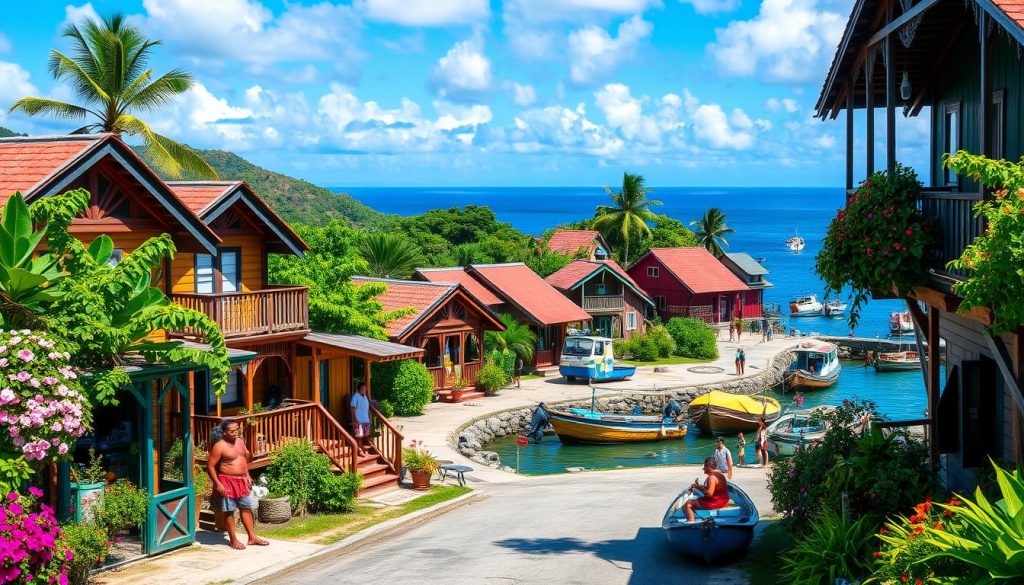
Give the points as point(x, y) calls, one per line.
point(228, 467)
point(715, 490)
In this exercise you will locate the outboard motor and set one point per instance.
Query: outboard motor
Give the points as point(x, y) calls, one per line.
point(672, 409)
point(538, 422)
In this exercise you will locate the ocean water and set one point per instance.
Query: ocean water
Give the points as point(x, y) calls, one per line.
point(762, 217)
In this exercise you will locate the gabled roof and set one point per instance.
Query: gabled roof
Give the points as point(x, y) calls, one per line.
point(577, 272)
point(747, 264)
point(697, 269)
point(572, 241)
point(210, 199)
point(425, 298)
point(367, 347)
point(527, 291)
point(41, 166)
point(458, 274)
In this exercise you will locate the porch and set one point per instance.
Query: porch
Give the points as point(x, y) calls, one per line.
point(603, 295)
point(247, 315)
point(454, 361)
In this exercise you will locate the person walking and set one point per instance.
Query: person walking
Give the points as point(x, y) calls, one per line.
point(739, 327)
point(732, 331)
point(764, 329)
point(518, 371)
point(737, 361)
point(228, 467)
point(762, 442)
point(723, 458)
point(741, 358)
point(361, 417)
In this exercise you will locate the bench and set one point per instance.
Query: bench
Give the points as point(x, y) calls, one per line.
point(459, 471)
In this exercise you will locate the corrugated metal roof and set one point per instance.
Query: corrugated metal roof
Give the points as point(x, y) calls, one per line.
point(698, 269)
point(366, 346)
point(526, 290)
point(747, 264)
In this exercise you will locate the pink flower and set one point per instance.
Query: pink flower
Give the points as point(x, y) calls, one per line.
point(909, 232)
point(36, 492)
point(871, 215)
point(26, 355)
point(23, 376)
point(62, 449)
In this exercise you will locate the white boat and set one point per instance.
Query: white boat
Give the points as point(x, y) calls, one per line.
point(797, 429)
point(816, 366)
point(795, 244)
point(901, 323)
point(805, 306)
point(897, 361)
point(834, 308)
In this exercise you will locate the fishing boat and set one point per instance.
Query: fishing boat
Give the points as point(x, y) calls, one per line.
point(805, 306)
point(897, 361)
point(834, 308)
point(797, 429)
point(719, 412)
point(579, 425)
point(900, 324)
point(795, 243)
point(816, 366)
point(716, 535)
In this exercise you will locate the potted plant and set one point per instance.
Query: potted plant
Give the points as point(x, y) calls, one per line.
point(420, 463)
point(87, 487)
point(123, 507)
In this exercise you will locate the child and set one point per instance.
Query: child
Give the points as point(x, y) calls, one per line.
point(740, 444)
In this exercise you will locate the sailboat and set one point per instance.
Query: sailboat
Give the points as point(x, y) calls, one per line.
point(795, 243)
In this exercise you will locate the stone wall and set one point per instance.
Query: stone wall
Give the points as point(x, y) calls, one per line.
point(471, 438)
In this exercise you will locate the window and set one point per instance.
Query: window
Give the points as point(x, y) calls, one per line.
point(231, 396)
point(951, 137)
point(598, 348)
point(472, 348)
point(660, 300)
point(204, 274)
point(227, 264)
point(653, 272)
point(230, 271)
point(578, 346)
point(432, 353)
point(998, 136)
point(631, 320)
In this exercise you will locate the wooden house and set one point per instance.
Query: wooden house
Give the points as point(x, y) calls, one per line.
point(691, 282)
point(753, 274)
point(448, 324)
point(517, 290)
point(959, 64)
point(589, 244)
point(605, 291)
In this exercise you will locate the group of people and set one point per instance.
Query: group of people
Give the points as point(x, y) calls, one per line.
point(718, 469)
point(736, 329)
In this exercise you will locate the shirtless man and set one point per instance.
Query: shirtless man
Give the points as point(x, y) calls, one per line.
point(228, 467)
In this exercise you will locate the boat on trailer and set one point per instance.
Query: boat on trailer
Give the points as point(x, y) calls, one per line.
point(717, 535)
point(897, 361)
point(580, 425)
point(720, 412)
point(816, 366)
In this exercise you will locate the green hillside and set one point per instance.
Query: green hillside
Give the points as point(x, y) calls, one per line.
point(8, 133)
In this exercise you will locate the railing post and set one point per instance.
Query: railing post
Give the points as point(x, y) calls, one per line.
point(270, 310)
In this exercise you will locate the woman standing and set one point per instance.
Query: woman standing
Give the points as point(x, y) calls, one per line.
point(741, 361)
point(761, 447)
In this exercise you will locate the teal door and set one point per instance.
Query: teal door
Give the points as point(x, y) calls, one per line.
point(325, 384)
point(603, 326)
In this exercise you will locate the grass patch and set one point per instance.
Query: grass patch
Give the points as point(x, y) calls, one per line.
point(530, 377)
point(330, 528)
point(669, 361)
point(762, 565)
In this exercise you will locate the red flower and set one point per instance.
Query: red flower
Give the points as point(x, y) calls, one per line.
point(954, 502)
point(909, 232)
point(938, 526)
point(904, 578)
point(884, 530)
point(904, 249)
point(877, 554)
point(918, 582)
point(918, 529)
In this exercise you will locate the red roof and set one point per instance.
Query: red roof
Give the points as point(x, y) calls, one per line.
point(1013, 8)
point(401, 294)
point(698, 269)
point(26, 162)
point(572, 273)
point(528, 292)
point(572, 241)
point(199, 195)
point(458, 274)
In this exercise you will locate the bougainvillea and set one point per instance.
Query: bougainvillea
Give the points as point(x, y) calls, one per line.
point(42, 409)
point(879, 241)
point(907, 556)
point(30, 548)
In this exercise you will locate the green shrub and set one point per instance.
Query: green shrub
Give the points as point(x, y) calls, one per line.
point(622, 349)
point(662, 338)
point(491, 377)
point(645, 349)
point(386, 408)
point(306, 477)
point(832, 549)
point(406, 384)
point(123, 506)
point(693, 338)
point(89, 545)
point(907, 556)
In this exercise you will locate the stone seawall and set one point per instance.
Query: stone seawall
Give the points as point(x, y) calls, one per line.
point(471, 437)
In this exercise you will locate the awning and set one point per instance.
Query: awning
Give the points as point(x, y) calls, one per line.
point(366, 347)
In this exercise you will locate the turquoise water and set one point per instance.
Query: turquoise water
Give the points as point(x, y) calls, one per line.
point(899, 395)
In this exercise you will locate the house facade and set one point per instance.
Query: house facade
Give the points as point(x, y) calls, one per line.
point(753, 274)
point(606, 292)
point(691, 282)
point(588, 244)
point(959, 64)
point(448, 324)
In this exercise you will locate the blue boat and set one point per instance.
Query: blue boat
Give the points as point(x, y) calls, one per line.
point(591, 358)
point(717, 535)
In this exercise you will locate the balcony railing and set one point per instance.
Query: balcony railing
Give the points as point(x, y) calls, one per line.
point(956, 222)
point(602, 303)
point(270, 311)
point(703, 312)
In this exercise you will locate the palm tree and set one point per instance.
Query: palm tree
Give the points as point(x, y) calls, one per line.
point(711, 231)
point(516, 337)
point(107, 70)
point(390, 255)
point(630, 212)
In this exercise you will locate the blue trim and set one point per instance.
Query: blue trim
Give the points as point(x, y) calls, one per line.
point(578, 371)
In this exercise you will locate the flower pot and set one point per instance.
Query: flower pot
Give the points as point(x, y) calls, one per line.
point(85, 497)
point(420, 479)
point(275, 510)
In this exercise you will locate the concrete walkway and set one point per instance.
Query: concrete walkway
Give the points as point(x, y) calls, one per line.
point(440, 420)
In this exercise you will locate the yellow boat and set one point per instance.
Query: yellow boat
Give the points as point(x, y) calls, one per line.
point(720, 412)
point(578, 425)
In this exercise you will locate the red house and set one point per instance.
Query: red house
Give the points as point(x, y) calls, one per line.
point(691, 282)
point(572, 242)
point(607, 293)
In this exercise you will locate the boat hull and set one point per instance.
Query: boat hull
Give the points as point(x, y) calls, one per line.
point(718, 535)
point(804, 380)
point(572, 428)
point(718, 419)
point(787, 444)
point(902, 366)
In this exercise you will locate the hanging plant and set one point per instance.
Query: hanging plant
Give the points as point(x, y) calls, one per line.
point(996, 256)
point(879, 242)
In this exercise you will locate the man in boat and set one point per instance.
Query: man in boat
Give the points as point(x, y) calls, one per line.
point(715, 490)
point(228, 466)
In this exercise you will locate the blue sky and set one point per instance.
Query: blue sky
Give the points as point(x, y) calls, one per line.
point(478, 92)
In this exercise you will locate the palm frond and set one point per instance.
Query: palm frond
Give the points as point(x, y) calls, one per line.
point(32, 106)
point(390, 255)
point(146, 96)
point(172, 157)
point(82, 82)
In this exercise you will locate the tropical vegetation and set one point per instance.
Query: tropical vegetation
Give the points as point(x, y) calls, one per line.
point(516, 338)
point(654, 343)
point(389, 255)
point(630, 213)
point(693, 338)
point(86, 545)
point(491, 376)
point(306, 476)
point(833, 548)
point(711, 231)
point(417, 458)
point(403, 387)
point(34, 548)
point(123, 506)
point(108, 70)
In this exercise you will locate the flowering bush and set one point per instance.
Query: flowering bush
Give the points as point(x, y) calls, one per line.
point(89, 545)
point(880, 240)
point(42, 408)
point(30, 546)
point(906, 555)
point(417, 458)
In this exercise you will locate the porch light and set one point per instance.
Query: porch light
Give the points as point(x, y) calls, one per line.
point(905, 89)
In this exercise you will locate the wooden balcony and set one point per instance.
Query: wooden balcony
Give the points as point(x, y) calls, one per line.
point(271, 311)
point(603, 303)
point(956, 222)
point(443, 382)
point(702, 312)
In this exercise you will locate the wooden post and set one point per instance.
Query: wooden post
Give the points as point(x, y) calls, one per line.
point(366, 368)
point(869, 109)
point(292, 366)
point(890, 97)
point(849, 133)
point(985, 81)
point(934, 382)
point(250, 373)
point(315, 394)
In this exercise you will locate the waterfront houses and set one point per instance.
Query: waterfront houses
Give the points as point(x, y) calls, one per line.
point(691, 282)
point(605, 291)
point(957, 63)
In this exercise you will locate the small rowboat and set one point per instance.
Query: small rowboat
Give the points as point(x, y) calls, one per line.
point(816, 366)
point(717, 535)
point(580, 425)
point(897, 361)
point(719, 412)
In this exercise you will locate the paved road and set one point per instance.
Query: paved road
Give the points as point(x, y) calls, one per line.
point(601, 527)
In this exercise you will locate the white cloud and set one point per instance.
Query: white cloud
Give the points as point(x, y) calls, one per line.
point(711, 125)
point(789, 41)
point(464, 72)
point(248, 31)
point(774, 105)
point(625, 112)
point(533, 28)
point(77, 15)
point(15, 85)
point(522, 95)
point(561, 129)
point(594, 53)
point(712, 6)
point(425, 12)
